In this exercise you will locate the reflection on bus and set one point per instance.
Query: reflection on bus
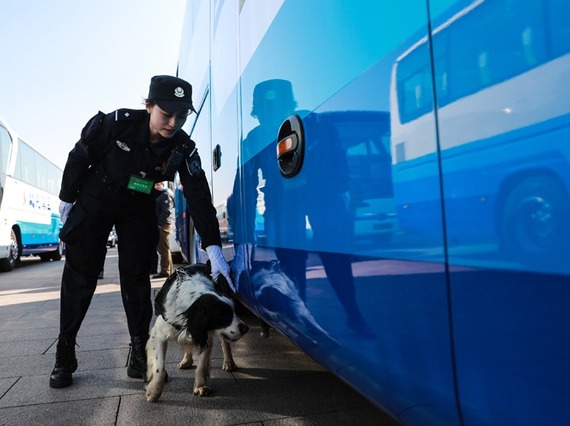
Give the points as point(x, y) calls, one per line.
point(419, 252)
point(503, 127)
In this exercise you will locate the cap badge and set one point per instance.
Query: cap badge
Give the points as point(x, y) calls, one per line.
point(179, 92)
point(270, 95)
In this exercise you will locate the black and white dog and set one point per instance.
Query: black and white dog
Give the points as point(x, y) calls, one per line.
point(190, 310)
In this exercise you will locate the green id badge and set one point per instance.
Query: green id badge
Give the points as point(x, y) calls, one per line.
point(140, 185)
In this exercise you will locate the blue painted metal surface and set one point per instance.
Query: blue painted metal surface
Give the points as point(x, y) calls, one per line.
point(421, 252)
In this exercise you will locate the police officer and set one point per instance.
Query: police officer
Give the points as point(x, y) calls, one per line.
point(108, 181)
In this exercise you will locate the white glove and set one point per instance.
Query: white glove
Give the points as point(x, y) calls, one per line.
point(64, 209)
point(242, 260)
point(219, 264)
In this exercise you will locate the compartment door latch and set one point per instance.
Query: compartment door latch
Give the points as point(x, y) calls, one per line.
point(291, 146)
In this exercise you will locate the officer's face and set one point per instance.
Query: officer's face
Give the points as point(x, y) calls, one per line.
point(273, 113)
point(164, 124)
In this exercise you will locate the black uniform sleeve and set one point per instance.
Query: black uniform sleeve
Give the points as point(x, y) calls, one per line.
point(199, 199)
point(88, 151)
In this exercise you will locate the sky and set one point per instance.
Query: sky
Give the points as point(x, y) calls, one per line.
point(64, 60)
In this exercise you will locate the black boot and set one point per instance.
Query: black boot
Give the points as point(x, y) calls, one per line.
point(137, 359)
point(65, 362)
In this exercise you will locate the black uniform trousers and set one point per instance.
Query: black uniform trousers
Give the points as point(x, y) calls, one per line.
point(85, 234)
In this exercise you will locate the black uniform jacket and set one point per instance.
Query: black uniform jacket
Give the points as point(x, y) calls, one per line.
point(114, 147)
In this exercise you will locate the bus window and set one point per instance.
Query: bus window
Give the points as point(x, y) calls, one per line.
point(415, 86)
point(5, 142)
point(508, 43)
point(26, 164)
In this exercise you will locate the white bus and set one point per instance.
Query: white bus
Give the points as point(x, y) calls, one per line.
point(29, 217)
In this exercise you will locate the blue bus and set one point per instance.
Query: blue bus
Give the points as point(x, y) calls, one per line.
point(395, 179)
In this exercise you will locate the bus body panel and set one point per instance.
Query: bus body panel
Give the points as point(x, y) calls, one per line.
point(412, 254)
point(353, 314)
point(504, 133)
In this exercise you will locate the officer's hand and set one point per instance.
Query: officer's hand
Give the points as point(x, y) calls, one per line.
point(219, 264)
point(64, 209)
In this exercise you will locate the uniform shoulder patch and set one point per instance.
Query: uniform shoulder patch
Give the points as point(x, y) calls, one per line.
point(194, 165)
point(125, 114)
point(193, 162)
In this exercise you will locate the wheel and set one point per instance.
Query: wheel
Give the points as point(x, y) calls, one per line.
point(9, 263)
point(535, 220)
point(55, 254)
point(58, 254)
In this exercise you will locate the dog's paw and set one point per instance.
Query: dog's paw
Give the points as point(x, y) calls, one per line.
point(152, 397)
point(185, 365)
point(186, 362)
point(152, 393)
point(154, 388)
point(202, 391)
point(229, 366)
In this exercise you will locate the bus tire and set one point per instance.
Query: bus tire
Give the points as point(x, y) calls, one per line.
point(53, 255)
point(58, 254)
point(535, 220)
point(9, 263)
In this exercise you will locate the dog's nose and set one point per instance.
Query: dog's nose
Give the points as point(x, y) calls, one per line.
point(243, 328)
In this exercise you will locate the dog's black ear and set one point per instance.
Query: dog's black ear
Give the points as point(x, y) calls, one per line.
point(207, 313)
point(195, 319)
point(222, 286)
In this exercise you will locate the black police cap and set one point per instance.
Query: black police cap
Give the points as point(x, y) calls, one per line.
point(172, 94)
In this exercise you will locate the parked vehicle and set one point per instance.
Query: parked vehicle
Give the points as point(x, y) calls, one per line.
point(401, 170)
point(29, 216)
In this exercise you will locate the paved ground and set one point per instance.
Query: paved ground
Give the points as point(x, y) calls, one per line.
point(276, 384)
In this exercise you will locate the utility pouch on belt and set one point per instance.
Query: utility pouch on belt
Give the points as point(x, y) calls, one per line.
point(176, 157)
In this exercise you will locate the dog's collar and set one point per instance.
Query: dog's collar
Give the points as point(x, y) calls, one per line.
point(176, 326)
